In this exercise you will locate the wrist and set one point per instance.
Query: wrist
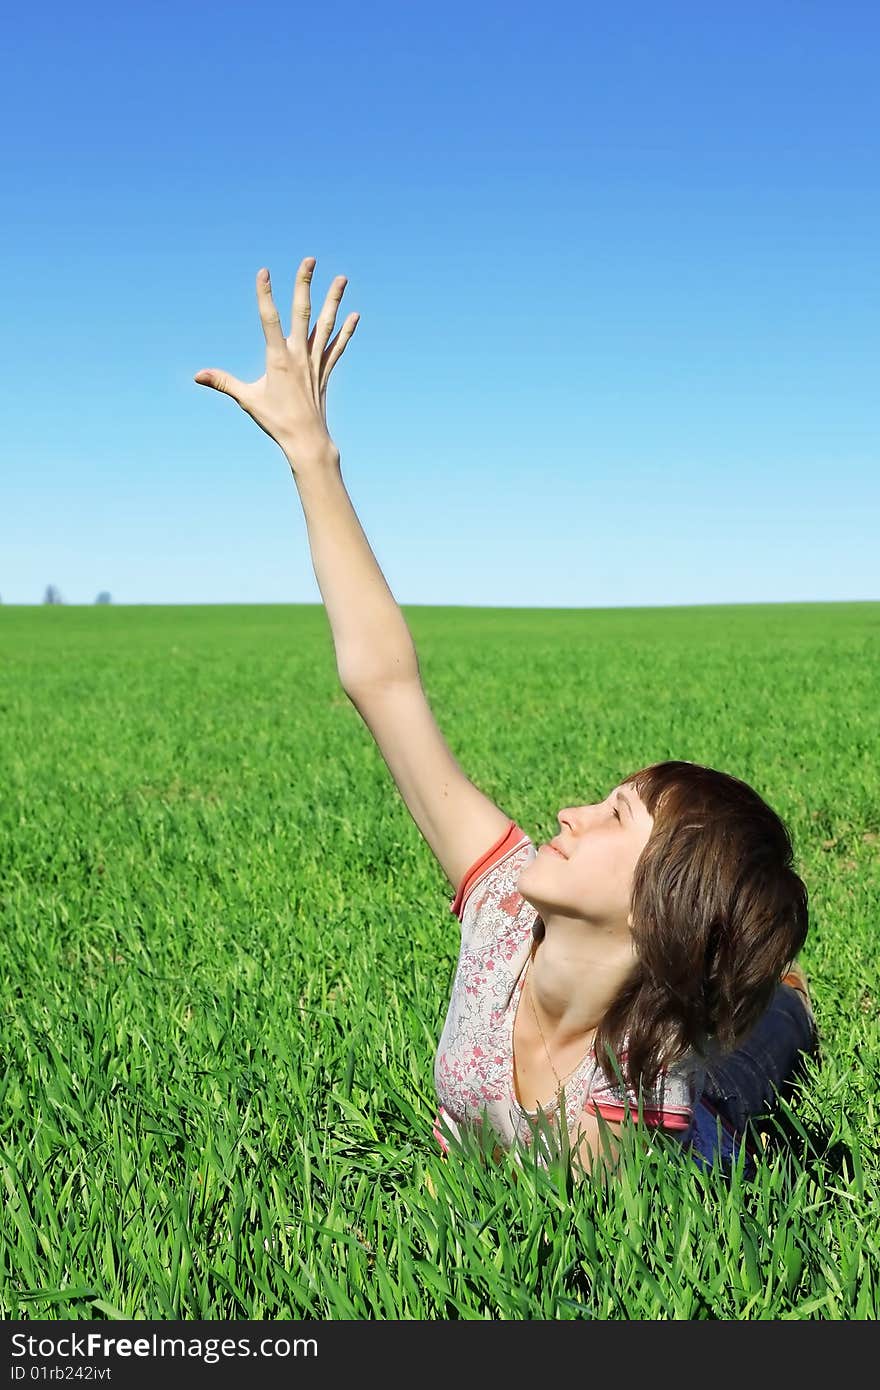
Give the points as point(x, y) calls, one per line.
point(315, 458)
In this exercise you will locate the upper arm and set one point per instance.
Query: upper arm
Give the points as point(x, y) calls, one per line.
point(457, 820)
point(594, 1145)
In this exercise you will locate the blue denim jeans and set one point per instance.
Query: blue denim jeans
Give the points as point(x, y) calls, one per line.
point(744, 1084)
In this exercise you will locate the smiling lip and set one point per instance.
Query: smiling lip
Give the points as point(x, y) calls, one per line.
point(555, 850)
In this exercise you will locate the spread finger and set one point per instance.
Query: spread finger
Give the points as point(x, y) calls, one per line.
point(302, 305)
point(269, 317)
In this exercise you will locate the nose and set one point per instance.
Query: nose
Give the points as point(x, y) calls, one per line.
point(574, 818)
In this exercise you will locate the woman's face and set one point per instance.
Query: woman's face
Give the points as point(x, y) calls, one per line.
point(601, 845)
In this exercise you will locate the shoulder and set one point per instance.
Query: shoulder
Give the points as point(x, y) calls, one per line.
point(668, 1104)
point(493, 876)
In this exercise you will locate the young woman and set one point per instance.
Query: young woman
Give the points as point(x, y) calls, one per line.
point(640, 964)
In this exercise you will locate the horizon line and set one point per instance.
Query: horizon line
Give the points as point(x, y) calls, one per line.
point(508, 607)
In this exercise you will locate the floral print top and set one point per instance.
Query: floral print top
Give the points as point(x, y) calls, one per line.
point(473, 1068)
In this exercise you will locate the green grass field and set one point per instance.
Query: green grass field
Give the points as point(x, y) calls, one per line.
point(228, 955)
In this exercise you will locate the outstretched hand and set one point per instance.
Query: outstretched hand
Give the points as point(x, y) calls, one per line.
point(289, 402)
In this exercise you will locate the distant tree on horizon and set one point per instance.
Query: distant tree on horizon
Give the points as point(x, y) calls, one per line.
point(104, 597)
point(52, 595)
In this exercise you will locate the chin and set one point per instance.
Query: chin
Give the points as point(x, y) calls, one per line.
point(519, 879)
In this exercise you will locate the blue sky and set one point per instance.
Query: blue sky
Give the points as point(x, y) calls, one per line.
point(616, 267)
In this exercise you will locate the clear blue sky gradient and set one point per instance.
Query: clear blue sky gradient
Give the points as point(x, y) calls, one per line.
point(616, 267)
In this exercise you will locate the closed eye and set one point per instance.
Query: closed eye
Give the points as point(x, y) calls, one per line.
point(615, 812)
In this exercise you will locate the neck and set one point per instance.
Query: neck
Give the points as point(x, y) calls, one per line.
point(576, 973)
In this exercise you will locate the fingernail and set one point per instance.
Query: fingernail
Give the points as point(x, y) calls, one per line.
point(264, 277)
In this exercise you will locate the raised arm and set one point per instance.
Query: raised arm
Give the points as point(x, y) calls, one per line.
point(375, 655)
point(378, 668)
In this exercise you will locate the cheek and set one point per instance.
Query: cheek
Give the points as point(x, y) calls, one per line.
point(607, 872)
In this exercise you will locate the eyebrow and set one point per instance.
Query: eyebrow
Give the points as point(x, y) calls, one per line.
point(620, 797)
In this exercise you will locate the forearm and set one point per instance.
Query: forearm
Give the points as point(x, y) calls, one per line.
point(370, 635)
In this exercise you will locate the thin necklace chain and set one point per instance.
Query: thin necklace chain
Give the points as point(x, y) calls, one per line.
point(559, 1080)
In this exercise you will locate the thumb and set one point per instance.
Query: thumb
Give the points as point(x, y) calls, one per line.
point(221, 381)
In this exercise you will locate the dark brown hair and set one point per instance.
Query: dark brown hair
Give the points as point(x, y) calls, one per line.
point(717, 914)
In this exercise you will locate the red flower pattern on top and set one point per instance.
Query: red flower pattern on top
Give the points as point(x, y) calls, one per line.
point(511, 903)
point(473, 1069)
